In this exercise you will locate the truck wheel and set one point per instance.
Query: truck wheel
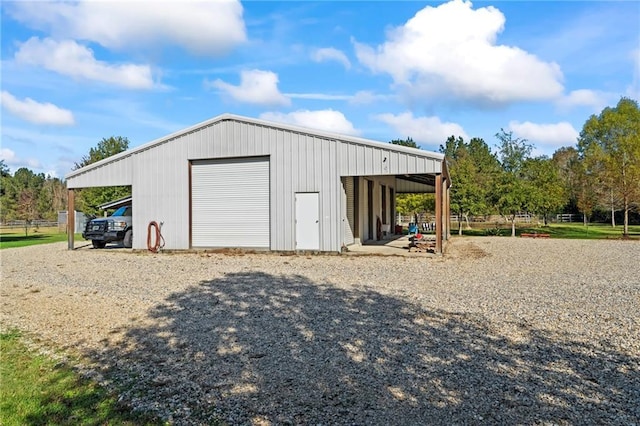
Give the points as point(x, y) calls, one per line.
point(98, 244)
point(128, 239)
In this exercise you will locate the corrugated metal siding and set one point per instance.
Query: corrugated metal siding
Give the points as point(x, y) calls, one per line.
point(112, 174)
point(405, 186)
point(359, 160)
point(161, 193)
point(300, 162)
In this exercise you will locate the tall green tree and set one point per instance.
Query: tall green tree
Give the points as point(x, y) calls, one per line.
point(513, 152)
point(511, 197)
point(547, 193)
point(583, 189)
point(4, 169)
point(52, 198)
point(89, 199)
point(473, 169)
point(511, 193)
point(610, 146)
point(567, 163)
point(587, 193)
point(105, 149)
point(413, 204)
point(22, 191)
point(6, 201)
point(27, 207)
point(405, 142)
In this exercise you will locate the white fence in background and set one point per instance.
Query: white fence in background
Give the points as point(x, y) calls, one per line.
point(430, 217)
point(520, 218)
point(568, 217)
point(34, 224)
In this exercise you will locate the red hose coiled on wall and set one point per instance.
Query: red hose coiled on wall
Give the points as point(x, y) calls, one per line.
point(158, 241)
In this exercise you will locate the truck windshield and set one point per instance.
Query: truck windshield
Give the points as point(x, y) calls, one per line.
point(123, 211)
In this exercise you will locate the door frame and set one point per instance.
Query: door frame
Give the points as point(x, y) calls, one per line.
point(299, 196)
point(370, 227)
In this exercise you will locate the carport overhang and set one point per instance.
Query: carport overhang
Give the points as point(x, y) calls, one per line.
point(415, 184)
point(126, 201)
point(438, 183)
point(432, 183)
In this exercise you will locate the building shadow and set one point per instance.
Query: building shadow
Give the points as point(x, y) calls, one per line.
point(254, 347)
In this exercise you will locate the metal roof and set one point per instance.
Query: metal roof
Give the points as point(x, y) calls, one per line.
point(264, 123)
point(116, 203)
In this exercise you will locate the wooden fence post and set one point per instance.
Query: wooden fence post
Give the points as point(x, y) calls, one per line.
point(439, 221)
point(71, 219)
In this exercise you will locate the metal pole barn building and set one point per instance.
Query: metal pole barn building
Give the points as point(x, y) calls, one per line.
point(233, 181)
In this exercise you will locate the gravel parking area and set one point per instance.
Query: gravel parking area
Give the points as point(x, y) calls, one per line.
point(500, 330)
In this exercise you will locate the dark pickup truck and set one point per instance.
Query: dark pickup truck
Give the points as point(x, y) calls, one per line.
point(115, 228)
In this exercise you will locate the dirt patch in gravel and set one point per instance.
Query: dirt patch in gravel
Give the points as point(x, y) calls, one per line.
point(461, 249)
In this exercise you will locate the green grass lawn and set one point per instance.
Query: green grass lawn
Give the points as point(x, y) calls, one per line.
point(37, 390)
point(555, 230)
point(16, 237)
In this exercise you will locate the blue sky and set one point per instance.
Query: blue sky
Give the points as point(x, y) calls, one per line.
point(76, 72)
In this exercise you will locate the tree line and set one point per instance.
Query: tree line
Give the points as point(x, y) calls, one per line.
point(30, 197)
point(601, 174)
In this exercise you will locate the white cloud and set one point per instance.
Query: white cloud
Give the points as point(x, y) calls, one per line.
point(7, 155)
point(70, 58)
point(330, 54)
point(364, 97)
point(361, 97)
point(202, 27)
point(51, 173)
point(428, 130)
point(327, 119)
point(36, 112)
point(57, 149)
point(256, 87)
point(11, 159)
point(318, 96)
point(584, 97)
point(450, 50)
point(554, 135)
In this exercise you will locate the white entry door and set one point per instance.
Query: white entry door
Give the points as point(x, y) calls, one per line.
point(307, 221)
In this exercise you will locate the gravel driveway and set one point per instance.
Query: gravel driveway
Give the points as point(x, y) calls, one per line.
point(500, 330)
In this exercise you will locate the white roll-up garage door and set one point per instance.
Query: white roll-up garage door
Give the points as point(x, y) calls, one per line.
point(230, 203)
